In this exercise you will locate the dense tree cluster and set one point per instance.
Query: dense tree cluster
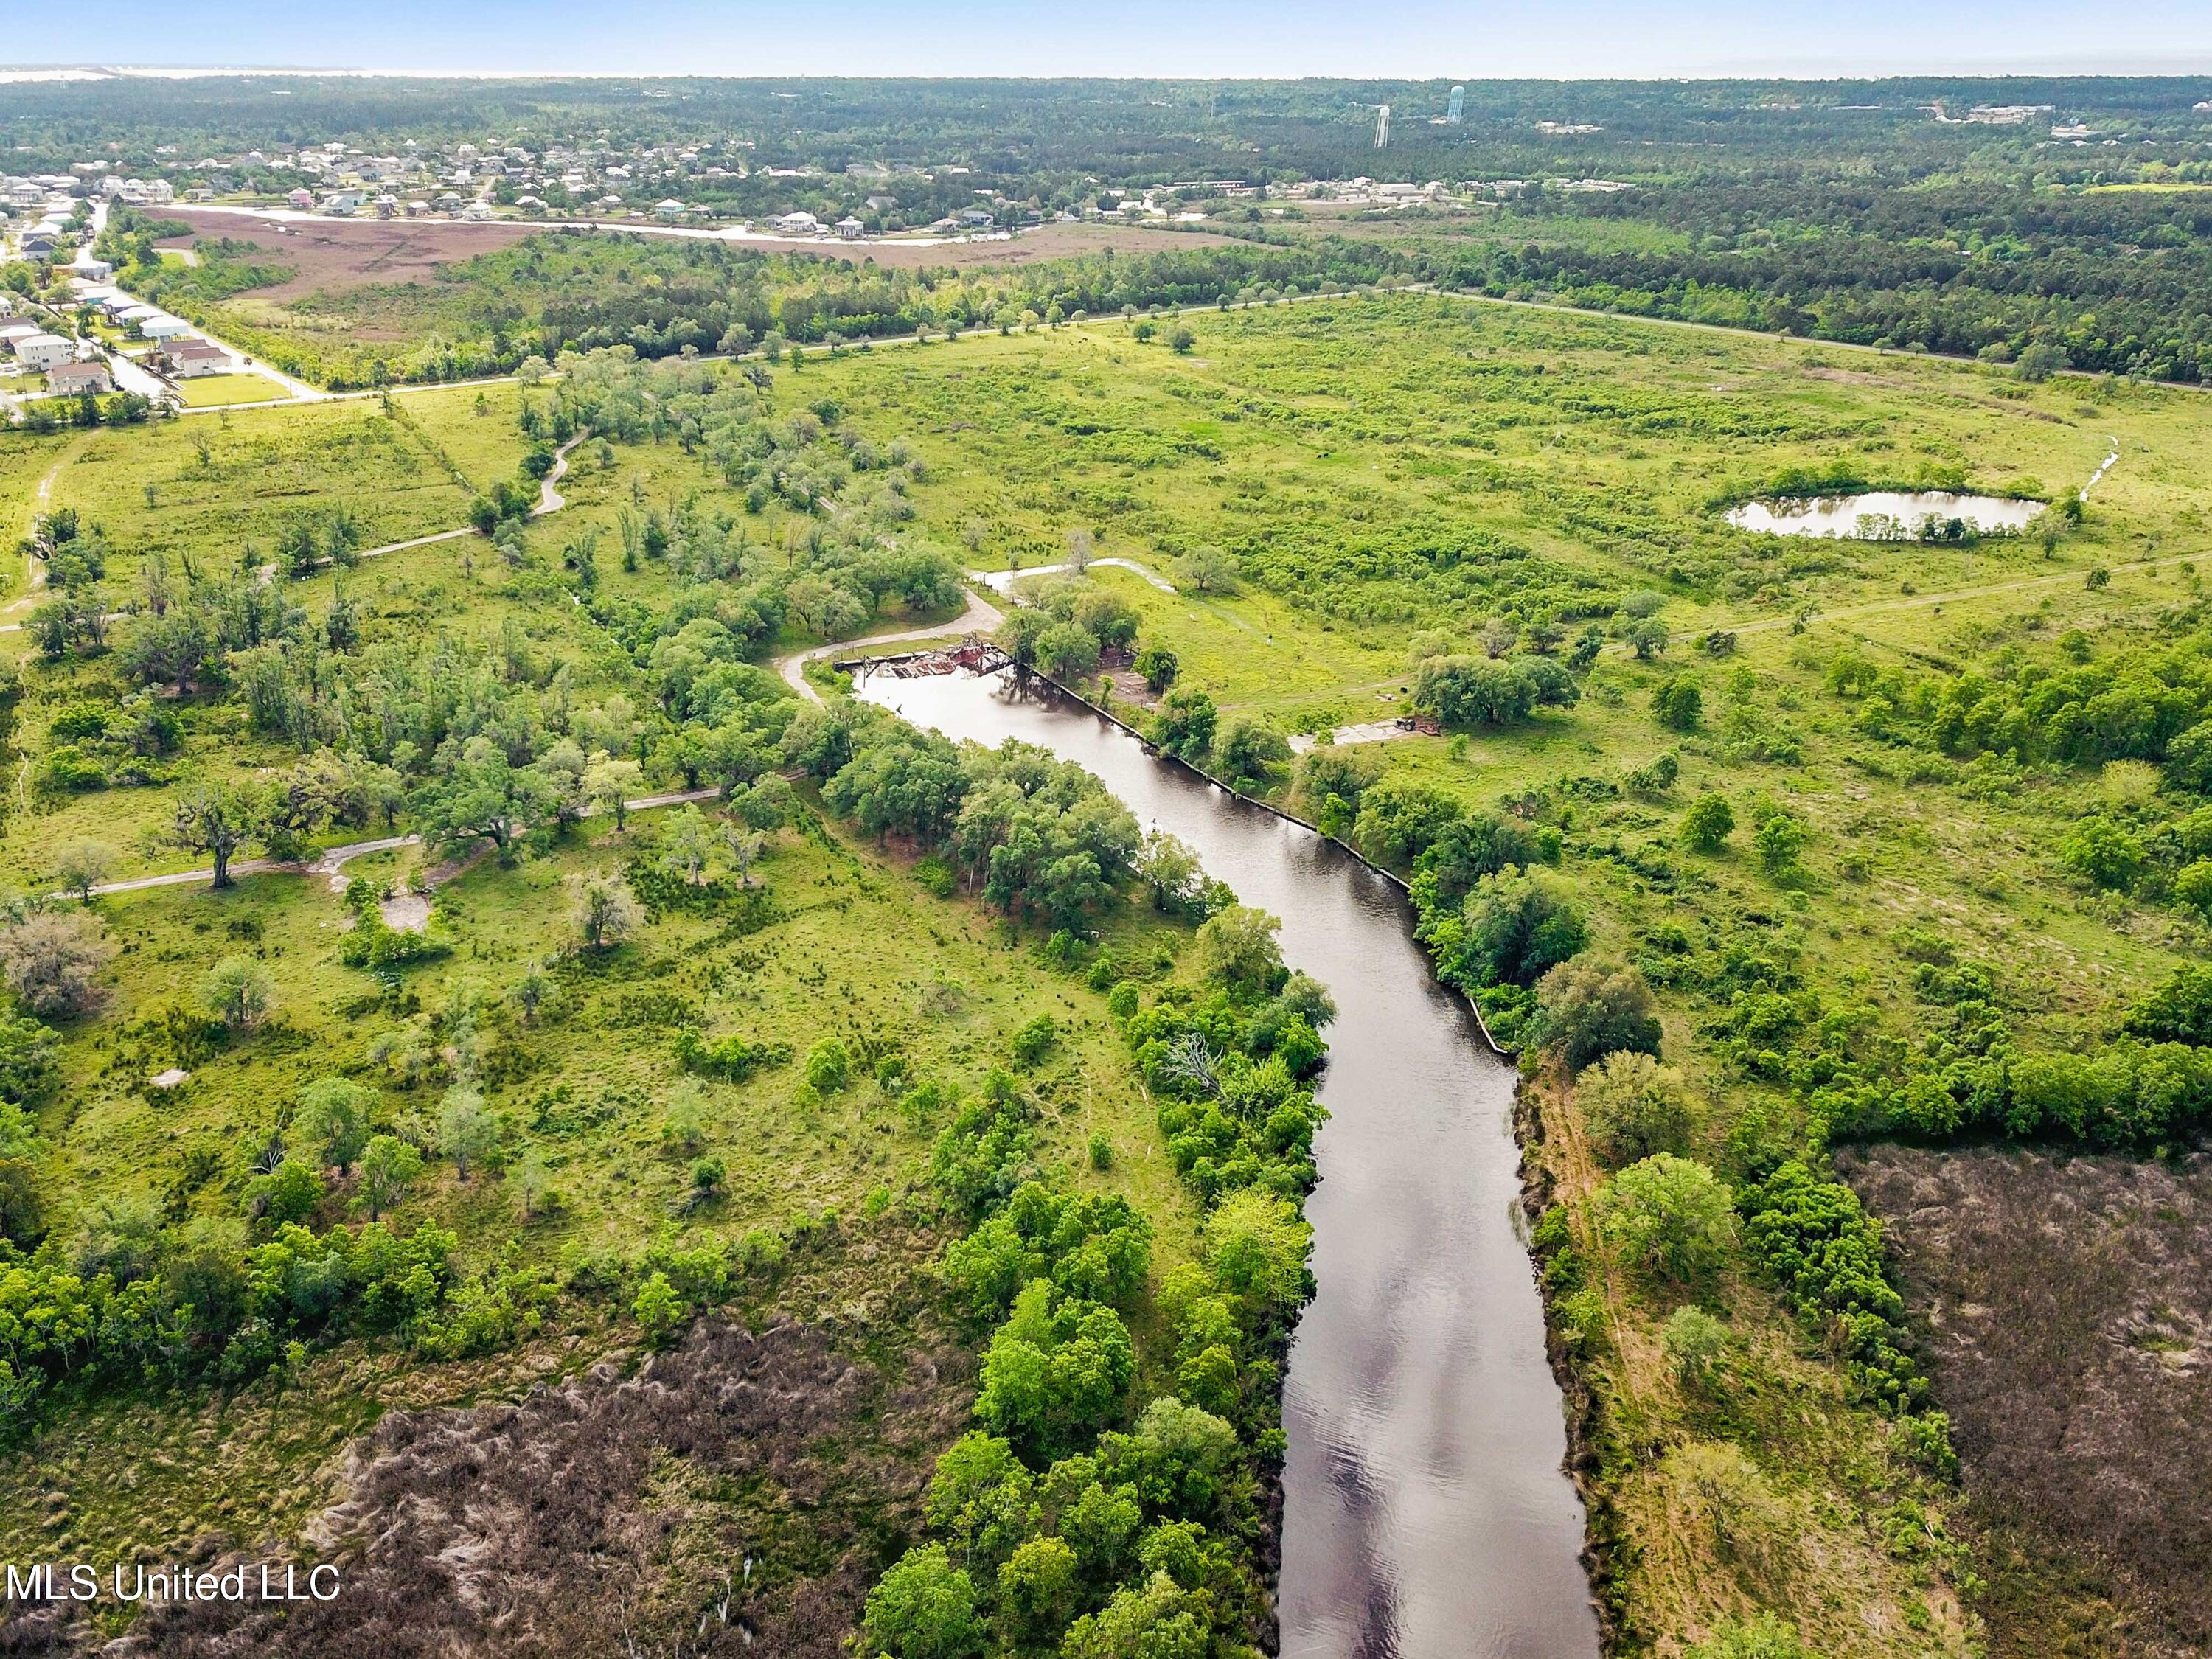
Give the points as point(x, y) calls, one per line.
point(1070, 1519)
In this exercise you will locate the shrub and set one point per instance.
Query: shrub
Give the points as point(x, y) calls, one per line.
point(1708, 824)
point(53, 960)
point(1634, 1107)
point(1671, 1215)
point(2179, 1011)
point(1764, 1637)
point(240, 992)
point(1586, 1009)
point(1237, 949)
point(1780, 836)
point(1678, 704)
point(1513, 929)
point(1033, 1042)
point(2103, 854)
point(1253, 757)
point(829, 1065)
point(1697, 1344)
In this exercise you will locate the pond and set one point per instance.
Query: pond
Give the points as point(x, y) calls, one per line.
point(1426, 1514)
point(1885, 515)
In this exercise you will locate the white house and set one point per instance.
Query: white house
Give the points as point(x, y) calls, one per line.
point(796, 224)
point(672, 208)
point(851, 229)
point(91, 270)
point(189, 359)
point(74, 378)
point(163, 328)
point(42, 351)
point(477, 212)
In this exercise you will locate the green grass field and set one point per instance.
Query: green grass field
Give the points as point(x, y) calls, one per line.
point(215, 390)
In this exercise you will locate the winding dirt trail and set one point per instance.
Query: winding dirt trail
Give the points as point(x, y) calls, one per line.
point(331, 861)
point(980, 617)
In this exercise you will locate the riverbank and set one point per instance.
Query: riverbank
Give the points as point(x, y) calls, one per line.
point(1427, 1509)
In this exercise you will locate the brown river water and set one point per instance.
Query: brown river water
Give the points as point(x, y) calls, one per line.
point(1426, 1512)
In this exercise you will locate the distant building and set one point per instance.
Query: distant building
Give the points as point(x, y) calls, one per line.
point(1456, 111)
point(163, 328)
point(91, 270)
point(671, 209)
point(302, 199)
point(851, 229)
point(75, 378)
point(1382, 128)
point(795, 224)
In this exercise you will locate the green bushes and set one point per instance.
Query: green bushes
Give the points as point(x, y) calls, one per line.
point(729, 1058)
point(1670, 1215)
point(1481, 691)
point(1816, 1242)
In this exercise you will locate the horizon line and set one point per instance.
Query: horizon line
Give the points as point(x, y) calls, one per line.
point(88, 73)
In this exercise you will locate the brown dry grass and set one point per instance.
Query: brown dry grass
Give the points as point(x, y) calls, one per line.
point(2066, 1304)
point(332, 256)
point(1805, 1472)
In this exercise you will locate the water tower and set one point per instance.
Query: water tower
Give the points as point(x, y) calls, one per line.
point(1382, 128)
point(1456, 112)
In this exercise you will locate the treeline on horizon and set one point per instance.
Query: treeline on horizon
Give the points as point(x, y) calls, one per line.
point(1130, 131)
point(2115, 283)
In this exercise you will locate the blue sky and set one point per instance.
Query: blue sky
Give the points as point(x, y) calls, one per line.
point(1415, 37)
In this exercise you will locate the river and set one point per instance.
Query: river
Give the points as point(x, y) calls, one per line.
point(1426, 1512)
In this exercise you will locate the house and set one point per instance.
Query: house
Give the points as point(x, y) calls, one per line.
point(795, 224)
point(477, 212)
point(91, 270)
point(35, 244)
point(975, 218)
point(850, 229)
point(42, 351)
point(189, 359)
point(163, 328)
point(12, 332)
point(7, 304)
point(386, 205)
point(671, 209)
point(74, 378)
point(302, 199)
point(136, 311)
